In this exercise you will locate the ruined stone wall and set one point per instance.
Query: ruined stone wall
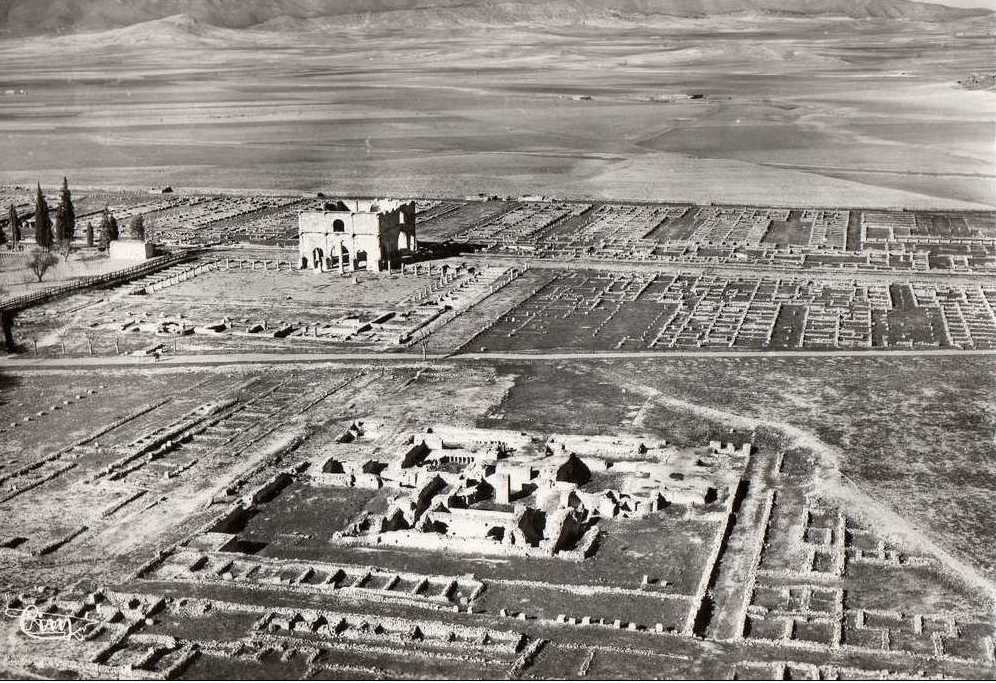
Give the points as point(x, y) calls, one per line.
point(380, 237)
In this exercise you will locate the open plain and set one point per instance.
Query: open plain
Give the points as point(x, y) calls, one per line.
point(738, 108)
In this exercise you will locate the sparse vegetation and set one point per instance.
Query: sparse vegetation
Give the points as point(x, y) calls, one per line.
point(979, 81)
point(136, 228)
point(41, 261)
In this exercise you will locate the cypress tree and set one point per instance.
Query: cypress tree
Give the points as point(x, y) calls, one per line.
point(115, 231)
point(59, 230)
point(43, 222)
point(3, 236)
point(15, 227)
point(89, 233)
point(67, 213)
point(105, 228)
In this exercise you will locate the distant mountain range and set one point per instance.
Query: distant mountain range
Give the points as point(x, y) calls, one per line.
point(33, 17)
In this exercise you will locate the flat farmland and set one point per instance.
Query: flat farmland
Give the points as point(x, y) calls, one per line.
point(534, 109)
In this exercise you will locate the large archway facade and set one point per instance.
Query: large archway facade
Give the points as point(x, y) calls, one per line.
point(374, 235)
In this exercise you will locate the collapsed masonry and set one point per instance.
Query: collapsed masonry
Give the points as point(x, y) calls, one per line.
point(467, 490)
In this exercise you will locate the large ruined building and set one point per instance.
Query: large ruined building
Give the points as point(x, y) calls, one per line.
point(356, 234)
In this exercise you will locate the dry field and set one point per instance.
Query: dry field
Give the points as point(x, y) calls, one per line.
point(792, 570)
point(795, 112)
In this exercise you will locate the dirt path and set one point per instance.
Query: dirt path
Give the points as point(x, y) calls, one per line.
point(746, 270)
point(13, 362)
point(638, 355)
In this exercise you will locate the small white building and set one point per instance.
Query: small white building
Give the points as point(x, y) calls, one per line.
point(130, 250)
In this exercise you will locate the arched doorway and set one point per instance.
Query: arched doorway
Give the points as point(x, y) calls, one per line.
point(317, 258)
point(361, 260)
point(404, 243)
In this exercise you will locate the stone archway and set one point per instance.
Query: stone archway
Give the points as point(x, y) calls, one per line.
point(318, 258)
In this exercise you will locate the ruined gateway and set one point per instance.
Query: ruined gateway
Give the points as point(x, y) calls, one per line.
point(356, 234)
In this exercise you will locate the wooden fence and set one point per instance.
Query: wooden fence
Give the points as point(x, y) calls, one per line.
point(28, 300)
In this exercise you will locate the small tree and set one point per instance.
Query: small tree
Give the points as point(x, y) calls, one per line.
point(91, 336)
point(15, 226)
point(3, 237)
point(41, 261)
point(89, 233)
point(43, 222)
point(136, 228)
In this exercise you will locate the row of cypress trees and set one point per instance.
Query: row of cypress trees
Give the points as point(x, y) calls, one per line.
point(63, 230)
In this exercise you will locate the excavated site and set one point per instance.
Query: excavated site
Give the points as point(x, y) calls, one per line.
point(505, 438)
